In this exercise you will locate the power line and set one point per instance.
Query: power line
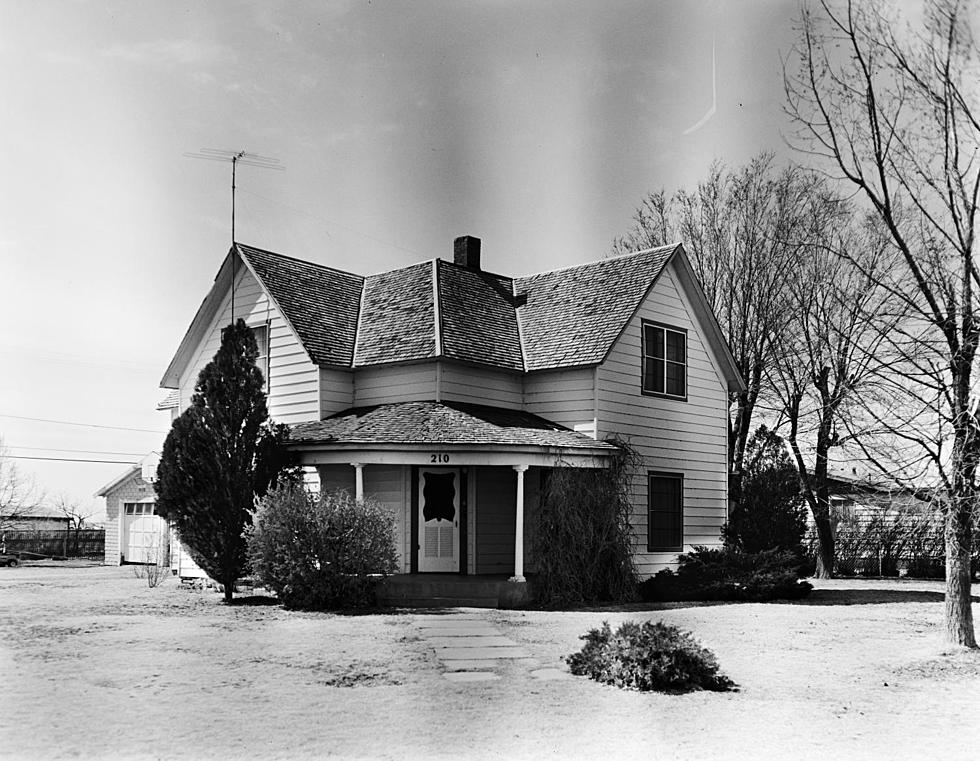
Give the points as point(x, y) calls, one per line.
point(69, 459)
point(76, 451)
point(82, 425)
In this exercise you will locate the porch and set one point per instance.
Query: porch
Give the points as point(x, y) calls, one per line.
point(462, 483)
point(448, 590)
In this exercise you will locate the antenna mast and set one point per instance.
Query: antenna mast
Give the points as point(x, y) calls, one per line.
point(236, 158)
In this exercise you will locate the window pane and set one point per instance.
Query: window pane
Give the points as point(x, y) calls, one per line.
point(675, 379)
point(675, 346)
point(654, 375)
point(658, 342)
point(666, 514)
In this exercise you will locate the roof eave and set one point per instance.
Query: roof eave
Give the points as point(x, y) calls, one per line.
point(708, 320)
point(202, 318)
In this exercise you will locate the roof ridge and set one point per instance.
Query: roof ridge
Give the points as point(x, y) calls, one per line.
point(654, 249)
point(436, 309)
point(298, 260)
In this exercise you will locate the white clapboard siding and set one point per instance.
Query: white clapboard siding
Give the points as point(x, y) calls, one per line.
point(336, 391)
point(496, 500)
point(294, 382)
point(566, 397)
point(479, 385)
point(672, 436)
point(394, 383)
point(389, 485)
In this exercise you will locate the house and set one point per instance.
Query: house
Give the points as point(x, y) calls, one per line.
point(134, 533)
point(446, 391)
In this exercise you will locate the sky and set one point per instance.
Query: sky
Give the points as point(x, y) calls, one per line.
point(537, 127)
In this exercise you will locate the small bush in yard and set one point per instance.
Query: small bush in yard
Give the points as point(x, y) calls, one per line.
point(648, 656)
point(726, 574)
point(320, 552)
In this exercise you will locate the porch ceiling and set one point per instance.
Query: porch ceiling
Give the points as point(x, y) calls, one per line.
point(452, 424)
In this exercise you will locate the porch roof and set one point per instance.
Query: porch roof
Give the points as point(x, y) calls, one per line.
point(443, 423)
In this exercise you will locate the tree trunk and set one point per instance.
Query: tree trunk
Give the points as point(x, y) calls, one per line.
point(229, 585)
point(959, 612)
point(825, 547)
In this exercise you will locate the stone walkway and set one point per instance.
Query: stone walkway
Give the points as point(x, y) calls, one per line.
point(474, 650)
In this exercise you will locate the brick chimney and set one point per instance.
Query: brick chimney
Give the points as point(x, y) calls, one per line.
point(466, 252)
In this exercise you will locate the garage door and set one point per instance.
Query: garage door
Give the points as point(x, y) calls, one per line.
point(144, 534)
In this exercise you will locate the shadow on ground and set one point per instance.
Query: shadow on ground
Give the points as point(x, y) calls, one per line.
point(871, 597)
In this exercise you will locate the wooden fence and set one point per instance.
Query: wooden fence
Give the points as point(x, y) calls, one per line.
point(87, 542)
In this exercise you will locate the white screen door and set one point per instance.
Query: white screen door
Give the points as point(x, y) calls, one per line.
point(439, 520)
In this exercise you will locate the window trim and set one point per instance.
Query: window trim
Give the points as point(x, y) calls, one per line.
point(268, 352)
point(644, 324)
point(651, 547)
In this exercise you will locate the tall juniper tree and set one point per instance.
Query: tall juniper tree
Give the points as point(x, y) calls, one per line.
point(221, 453)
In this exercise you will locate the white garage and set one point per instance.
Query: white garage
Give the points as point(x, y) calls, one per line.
point(144, 537)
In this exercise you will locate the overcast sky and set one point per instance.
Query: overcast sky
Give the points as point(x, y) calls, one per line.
point(537, 127)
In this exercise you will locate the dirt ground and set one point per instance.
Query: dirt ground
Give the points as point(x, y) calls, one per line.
point(94, 664)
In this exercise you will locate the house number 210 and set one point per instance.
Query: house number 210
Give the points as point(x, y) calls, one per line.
point(443, 458)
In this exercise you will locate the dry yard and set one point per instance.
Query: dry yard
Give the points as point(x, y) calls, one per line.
point(94, 664)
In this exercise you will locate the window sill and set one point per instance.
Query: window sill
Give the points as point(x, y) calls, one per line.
point(659, 395)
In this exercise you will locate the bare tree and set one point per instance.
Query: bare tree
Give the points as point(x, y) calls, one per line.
point(840, 316)
point(77, 518)
point(894, 112)
point(19, 494)
point(742, 230)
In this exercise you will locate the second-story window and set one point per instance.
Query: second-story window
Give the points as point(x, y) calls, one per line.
point(261, 333)
point(664, 361)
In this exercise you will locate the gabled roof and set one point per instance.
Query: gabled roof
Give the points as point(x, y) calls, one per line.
point(573, 316)
point(321, 303)
point(478, 318)
point(397, 322)
point(440, 423)
point(564, 318)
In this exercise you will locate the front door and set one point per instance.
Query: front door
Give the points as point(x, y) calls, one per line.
point(439, 508)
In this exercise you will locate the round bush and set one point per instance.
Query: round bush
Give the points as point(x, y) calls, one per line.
point(648, 656)
point(321, 552)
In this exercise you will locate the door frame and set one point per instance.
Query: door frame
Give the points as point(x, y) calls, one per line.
point(463, 543)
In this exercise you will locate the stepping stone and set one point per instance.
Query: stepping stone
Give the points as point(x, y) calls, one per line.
point(452, 622)
point(480, 653)
point(484, 664)
point(454, 642)
point(470, 676)
point(472, 631)
point(550, 674)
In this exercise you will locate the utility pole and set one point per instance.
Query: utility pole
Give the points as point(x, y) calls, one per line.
point(236, 158)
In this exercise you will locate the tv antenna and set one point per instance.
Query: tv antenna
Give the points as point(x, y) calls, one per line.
point(235, 158)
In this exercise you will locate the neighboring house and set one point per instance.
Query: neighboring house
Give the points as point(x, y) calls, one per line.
point(446, 391)
point(134, 533)
point(36, 519)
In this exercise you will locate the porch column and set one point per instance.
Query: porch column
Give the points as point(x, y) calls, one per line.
point(358, 481)
point(519, 527)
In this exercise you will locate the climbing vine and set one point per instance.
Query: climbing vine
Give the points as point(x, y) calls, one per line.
point(582, 540)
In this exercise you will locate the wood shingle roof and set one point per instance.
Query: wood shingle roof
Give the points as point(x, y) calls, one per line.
point(573, 316)
point(321, 303)
point(563, 318)
point(440, 423)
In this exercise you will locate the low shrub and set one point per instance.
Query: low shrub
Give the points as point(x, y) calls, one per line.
point(726, 574)
point(648, 656)
point(321, 552)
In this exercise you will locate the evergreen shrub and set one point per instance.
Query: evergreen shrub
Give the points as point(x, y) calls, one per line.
point(771, 512)
point(726, 574)
point(648, 656)
point(321, 551)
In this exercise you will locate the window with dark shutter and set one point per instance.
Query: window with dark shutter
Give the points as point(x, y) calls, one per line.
point(665, 498)
point(664, 361)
